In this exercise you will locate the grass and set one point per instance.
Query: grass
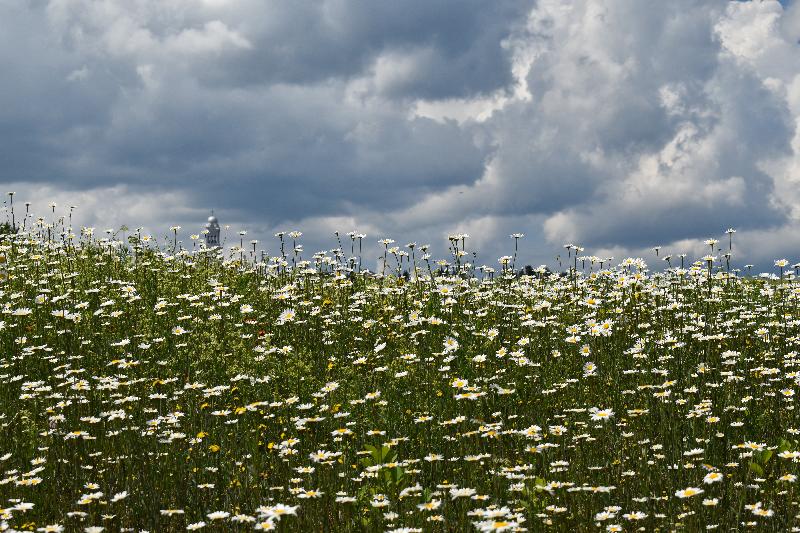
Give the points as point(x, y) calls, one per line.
point(148, 389)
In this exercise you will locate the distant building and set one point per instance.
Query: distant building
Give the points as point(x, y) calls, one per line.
point(212, 232)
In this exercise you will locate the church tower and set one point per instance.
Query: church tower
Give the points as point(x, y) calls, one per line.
point(212, 232)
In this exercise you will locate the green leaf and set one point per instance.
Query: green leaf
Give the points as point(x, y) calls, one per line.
point(766, 455)
point(755, 467)
point(387, 454)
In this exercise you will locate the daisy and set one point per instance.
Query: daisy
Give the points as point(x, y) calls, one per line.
point(429, 506)
point(601, 414)
point(688, 492)
point(287, 316)
point(460, 493)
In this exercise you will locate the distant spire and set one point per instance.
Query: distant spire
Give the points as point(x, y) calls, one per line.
point(212, 231)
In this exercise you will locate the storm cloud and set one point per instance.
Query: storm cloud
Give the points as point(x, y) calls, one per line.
point(617, 125)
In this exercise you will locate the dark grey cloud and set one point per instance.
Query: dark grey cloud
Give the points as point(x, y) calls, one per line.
point(449, 48)
point(674, 128)
point(614, 125)
point(281, 106)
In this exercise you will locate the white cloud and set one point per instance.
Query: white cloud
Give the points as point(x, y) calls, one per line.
point(105, 207)
point(616, 125)
point(214, 36)
point(642, 123)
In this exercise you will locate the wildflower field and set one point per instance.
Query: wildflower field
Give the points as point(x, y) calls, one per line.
point(148, 388)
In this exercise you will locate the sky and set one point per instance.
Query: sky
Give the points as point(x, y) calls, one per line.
point(618, 125)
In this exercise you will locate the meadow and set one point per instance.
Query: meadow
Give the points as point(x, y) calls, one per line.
point(147, 387)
